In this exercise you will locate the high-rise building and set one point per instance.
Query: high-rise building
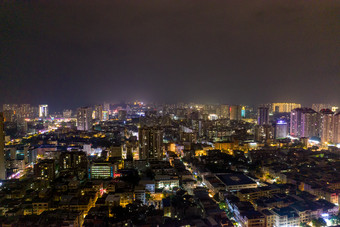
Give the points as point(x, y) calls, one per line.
point(13, 107)
point(223, 111)
point(24, 110)
point(327, 125)
point(116, 152)
point(150, 143)
point(235, 112)
point(105, 115)
point(284, 107)
point(337, 128)
point(84, 118)
point(8, 115)
point(67, 113)
point(43, 111)
point(102, 170)
point(263, 116)
point(73, 160)
point(151, 113)
point(264, 133)
point(320, 106)
point(281, 129)
point(295, 122)
point(243, 111)
point(45, 170)
point(122, 115)
point(304, 122)
point(2, 149)
point(22, 126)
point(98, 112)
point(106, 107)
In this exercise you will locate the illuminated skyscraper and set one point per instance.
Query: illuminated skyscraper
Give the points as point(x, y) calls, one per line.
point(43, 111)
point(24, 111)
point(243, 112)
point(337, 128)
point(284, 107)
point(327, 125)
point(264, 133)
point(2, 148)
point(84, 118)
point(45, 170)
point(263, 116)
point(105, 115)
point(235, 112)
point(304, 122)
point(98, 112)
point(150, 143)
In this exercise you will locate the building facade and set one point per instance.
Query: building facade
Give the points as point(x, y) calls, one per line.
point(327, 126)
point(84, 119)
point(2, 148)
point(284, 107)
point(304, 122)
point(150, 143)
point(43, 111)
point(263, 116)
point(235, 112)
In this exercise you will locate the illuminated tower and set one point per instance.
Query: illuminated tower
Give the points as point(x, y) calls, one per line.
point(43, 111)
point(84, 118)
point(263, 116)
point(105, 115)
point(235, 112)
point(304, 122)
point(284, 107)
point(98, 112)
point(327, 125)
point(2, 148)
point(243, 112)
point(150, 143)
point(337, 128)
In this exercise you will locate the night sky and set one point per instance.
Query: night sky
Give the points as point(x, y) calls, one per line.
point(69, 53)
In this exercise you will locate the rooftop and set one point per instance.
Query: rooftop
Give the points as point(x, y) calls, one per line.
point(235, 179)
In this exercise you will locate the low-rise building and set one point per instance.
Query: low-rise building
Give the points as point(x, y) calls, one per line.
point(236, 181)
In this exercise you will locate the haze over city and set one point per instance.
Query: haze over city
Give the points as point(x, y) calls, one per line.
point(73, 53)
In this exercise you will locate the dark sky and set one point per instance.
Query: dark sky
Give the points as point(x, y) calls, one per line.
point(69, 53)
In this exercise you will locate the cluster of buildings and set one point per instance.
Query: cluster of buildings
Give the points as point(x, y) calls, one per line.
point(13, 112)
point(306, 122)
point(321, 126)
point(139, 164)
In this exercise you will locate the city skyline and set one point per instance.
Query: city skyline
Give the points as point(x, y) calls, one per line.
point(284, 107)
point(170, 113)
